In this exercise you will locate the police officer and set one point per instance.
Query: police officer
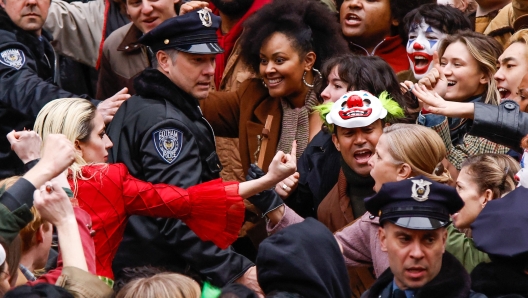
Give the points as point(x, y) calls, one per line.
point(413, 214)
point(500, 230)
point(29, 75)
point(161, 136)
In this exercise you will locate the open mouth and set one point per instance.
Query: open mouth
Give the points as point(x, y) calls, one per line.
point(421, 61)
point(415, 273)
point(274, 82)
point(352, 19)
point(504, 93)
point(451, 83)
point(362, 156)
point(355, 112)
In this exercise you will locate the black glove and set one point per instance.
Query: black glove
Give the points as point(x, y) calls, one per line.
point(267, 200)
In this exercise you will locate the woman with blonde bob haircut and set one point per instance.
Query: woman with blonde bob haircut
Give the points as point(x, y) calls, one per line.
point(403, 151)
point(213, 210)
point(163, 285)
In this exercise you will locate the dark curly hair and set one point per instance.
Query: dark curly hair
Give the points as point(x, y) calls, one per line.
point(372, 74)
point(309, 24)
point(442, 17)
point(399, 8)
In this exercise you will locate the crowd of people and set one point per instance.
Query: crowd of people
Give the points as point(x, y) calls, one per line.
point(263, 148)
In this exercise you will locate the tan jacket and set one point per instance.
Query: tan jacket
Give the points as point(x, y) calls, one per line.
point(235, 73)
point(123, 60)
point(82, 284)
point(335, 211)
point(77, 29)
point(511, 18)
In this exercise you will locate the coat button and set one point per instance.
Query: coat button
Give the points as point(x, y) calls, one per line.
point(509, 106)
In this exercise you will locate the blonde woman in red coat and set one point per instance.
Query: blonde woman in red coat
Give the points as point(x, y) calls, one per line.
point(213, 210)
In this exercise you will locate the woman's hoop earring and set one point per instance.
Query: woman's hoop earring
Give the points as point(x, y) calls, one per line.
point(304, 80)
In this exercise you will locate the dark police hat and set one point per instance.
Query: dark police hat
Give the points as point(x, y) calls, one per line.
point(501, 228)
point(416, 203)
point(193, 32)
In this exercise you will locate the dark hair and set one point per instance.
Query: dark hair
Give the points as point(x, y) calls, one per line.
point(445, 18)
point(39, 290)
point(309, 24)
point(372, 74)
point(399, 9)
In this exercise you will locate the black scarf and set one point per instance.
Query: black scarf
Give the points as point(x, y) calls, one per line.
point(358, 189)
point(452, 281)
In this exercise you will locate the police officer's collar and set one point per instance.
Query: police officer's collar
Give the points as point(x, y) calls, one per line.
point(151, 83)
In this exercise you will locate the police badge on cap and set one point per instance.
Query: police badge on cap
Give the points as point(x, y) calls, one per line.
point(420, 190)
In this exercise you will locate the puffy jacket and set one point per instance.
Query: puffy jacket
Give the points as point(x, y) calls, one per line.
point(161, 136)
point(28, 81)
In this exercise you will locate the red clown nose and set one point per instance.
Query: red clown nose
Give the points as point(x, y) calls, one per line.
point(418, 46)
point(354, 101)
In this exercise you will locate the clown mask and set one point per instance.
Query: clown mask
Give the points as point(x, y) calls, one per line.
point(356, 109)
point(423, 41)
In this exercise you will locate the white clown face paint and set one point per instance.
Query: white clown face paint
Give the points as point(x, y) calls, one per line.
point(423, 41)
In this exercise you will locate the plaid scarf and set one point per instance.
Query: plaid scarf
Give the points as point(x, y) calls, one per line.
point(295, 124)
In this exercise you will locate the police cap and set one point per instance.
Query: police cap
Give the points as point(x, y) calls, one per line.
point(416, 203)
point(193, 32)
point(501, 228)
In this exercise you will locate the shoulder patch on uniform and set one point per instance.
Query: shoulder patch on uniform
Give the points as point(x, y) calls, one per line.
point(168, 143)
point(13, 58)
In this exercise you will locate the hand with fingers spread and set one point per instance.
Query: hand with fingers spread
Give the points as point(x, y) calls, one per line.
point(435, 79)
point(192, 5)
point(432, 102)
point(109, 107)
point(26, 144)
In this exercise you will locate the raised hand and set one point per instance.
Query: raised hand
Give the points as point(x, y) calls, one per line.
point(283, 165)
point(26, 144)
point(435, 78)
point(54, 205)
point(191, 6)
point(287, 186)
point(109, 107)
point(432, 102)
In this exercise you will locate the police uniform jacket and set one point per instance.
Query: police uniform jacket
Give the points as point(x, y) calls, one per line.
point(27, 82)
point(452, 281)
point(161, 136)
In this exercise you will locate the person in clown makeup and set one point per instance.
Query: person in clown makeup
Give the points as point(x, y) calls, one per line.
point(425, 27)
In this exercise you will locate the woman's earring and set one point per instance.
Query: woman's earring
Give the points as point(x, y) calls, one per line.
point(264, 83)
point(306, 83)
point(318, 73)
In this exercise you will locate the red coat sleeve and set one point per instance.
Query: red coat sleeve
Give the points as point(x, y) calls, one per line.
point(213, 210)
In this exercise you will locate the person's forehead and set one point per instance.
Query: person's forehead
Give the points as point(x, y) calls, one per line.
point(423, 25)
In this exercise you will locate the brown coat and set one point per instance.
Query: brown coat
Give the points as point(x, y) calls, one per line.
point(235, 73)
point(335, 211)
point(243, 114)
point(511, 18)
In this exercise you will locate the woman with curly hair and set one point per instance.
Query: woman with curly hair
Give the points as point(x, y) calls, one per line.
point(285, 50)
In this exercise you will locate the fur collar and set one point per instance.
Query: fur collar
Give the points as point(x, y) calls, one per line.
point(494, 279)
point(151, 83)
point(29, 40)
point(453, 281)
